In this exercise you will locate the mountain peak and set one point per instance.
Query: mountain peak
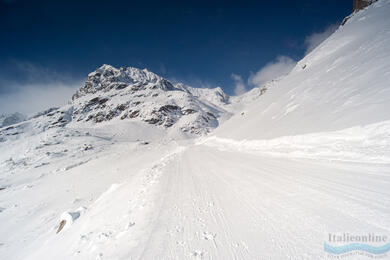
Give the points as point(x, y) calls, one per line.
point(136, 94)
point(140, 96)
point(107, 77)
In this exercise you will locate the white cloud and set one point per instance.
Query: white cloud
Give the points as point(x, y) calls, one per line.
point(163, 69)
point(29, 99)
point(239, 88)
point(41, 88)
point(316, 39)
point(280, 66)
point(193, 82)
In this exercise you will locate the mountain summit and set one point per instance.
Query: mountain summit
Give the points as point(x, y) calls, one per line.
point(133, 95)
point(140, 95)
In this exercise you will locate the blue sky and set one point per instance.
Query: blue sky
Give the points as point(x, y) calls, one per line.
point(48, 47)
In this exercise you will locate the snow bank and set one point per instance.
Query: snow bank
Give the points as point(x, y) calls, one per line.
point(369, 144)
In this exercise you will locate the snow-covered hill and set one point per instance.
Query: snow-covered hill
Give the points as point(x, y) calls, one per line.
point(342, 83)
point(112, 175)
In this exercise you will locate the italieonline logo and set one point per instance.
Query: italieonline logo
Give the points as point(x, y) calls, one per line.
point(346, 243)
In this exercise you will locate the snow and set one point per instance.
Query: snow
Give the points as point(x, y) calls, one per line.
point(340, 84)
point(197, 201)
point(370, 144)
point(304, 156)
point(138, 95)
point(10, 119)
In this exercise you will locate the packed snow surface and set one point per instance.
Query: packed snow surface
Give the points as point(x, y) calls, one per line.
point(304, 156)
point(185, 201)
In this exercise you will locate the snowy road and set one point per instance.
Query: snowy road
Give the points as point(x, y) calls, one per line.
point(229, 205)
point(198, 202)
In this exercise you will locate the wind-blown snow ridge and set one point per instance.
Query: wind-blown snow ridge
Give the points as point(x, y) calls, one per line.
point(364, 144)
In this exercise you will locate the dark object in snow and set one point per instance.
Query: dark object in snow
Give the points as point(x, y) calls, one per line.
point(87, 147)
point(62, 224)
point(357, 6)
point(361, 4)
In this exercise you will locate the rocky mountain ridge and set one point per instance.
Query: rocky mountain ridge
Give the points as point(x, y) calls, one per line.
point(129, 94)
point(133, 94)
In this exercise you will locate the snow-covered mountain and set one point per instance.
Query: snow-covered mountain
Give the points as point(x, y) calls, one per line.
point(115, 104)
point(111, 95)
point(134, 94)
point(10, 119)
point(113, 174)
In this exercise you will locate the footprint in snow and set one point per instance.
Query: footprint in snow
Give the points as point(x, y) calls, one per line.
point(180, 243)
point(209, 236)
point(179, 229)
point(104, 236)
point(198, 254)
point(129, 225)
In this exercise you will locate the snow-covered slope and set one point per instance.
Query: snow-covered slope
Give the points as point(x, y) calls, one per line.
point(80, 182)
point(10, 119)
point(343, 83)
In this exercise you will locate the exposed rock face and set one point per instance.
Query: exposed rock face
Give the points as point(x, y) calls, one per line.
point(107, 78)
point(357, 6)
point(360, 4)
point(134, 94)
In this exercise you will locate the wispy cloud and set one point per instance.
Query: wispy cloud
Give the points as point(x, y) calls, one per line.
point(315, 39)
point(239, 87)
point(282, 65)
point(163, 69)
point(36, 89)
point(33, 98)
point(193, 82)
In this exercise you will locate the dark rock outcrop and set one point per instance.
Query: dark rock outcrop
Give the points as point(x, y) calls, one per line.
point(361, 4)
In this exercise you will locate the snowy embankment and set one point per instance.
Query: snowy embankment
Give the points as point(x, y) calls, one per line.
point(365, 144)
